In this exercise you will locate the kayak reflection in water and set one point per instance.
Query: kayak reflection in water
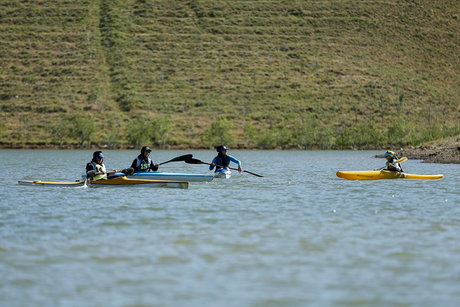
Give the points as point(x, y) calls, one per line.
point(222, 160)
point(95, 170)
point(391, 163)
point(143, 163)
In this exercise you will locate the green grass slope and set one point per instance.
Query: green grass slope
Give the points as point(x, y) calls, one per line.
point(266, 74)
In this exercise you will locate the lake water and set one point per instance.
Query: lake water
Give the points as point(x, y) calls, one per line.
point(299, 236)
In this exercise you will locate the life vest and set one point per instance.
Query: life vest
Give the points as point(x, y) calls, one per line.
point(143, 166)
point(99, 168)
point(392, 166)
point(222, 163)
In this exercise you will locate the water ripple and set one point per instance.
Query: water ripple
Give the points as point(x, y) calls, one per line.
point(297, 237)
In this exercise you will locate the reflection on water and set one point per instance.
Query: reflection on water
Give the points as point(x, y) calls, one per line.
point(298, 236)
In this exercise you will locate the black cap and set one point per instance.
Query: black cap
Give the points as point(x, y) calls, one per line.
point(98, 154)
point(145, 148)
point(221, 148)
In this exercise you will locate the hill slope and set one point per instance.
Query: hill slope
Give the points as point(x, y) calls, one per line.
point(271, 73)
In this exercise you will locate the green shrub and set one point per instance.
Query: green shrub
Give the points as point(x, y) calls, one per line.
point(142, 130)
point(266, 139)
point(284, 137)
point(139, 132)
point(82, 129)
point(59, 132)
point(2, 129)
point(250, 133)
point(161, 127)
point(112, 133)
point(397, 132)
point(325, 138)
point(305, 133)
point(220, 132)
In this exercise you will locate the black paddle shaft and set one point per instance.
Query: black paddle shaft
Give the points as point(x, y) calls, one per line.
point(196, 161)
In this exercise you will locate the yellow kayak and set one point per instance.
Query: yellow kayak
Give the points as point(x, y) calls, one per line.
point(130, 181)
point(115, 181)
point(382, 174)
point(52, 183)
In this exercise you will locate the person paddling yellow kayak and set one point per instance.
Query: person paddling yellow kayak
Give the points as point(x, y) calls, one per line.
point(392, 163)
point(393, 171)
point(95, 170)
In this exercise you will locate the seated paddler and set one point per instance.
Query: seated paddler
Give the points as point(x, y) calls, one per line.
point(222, 160)
point(143, 163)
point(391, 163)
point(95, 170)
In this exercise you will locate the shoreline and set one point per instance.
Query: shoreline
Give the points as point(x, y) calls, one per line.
point(170, 147)
point(445, 151)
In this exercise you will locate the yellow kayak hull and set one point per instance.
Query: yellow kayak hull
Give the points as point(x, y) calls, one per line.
point(52, 183)
point(382, 174)
point(111, 182)
point(130, 181)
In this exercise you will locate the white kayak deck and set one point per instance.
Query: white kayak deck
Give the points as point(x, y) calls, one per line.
point(166, 176)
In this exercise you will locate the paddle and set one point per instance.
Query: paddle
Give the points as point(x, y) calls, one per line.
point(130, 171)
point(196, 161)
point(401, 160)
point(180, 158)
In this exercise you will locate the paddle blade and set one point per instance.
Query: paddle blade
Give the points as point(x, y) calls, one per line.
point(401, 160)
point(127, 171)
point(180, 158)
point(194, 161)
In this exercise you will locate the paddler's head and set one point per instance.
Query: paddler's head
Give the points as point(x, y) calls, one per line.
point(222, 149)
point(390, 155)
point(98, 157)
point(145, 151)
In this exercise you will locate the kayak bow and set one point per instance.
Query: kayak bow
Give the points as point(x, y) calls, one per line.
point(52, 183)
point(223, 173)
point(382, 174)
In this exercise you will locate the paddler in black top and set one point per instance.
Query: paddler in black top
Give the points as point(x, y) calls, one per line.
point(95, 170)
point(143, 163)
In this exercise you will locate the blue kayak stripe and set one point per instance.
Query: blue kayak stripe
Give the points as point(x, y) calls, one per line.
point(169, 175)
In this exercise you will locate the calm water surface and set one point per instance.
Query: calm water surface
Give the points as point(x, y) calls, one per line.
point(300, 236)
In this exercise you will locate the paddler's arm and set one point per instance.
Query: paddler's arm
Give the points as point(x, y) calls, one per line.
point(90, 171)
point(91, 174)
point(395, 167)
point(213, 163)
point(235, 160)
point(154, 166)
point(390, 166)
point(134, 165)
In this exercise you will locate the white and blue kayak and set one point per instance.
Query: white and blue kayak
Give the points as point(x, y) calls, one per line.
point(223, 173)
point(172, 176)
point(166, 176)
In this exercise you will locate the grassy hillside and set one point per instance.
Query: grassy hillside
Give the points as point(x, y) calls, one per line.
point(268, 73)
